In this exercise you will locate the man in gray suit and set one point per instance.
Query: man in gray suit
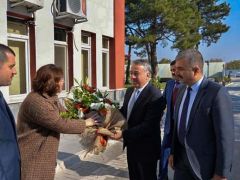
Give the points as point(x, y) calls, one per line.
point(9, 156)
point(203, 131)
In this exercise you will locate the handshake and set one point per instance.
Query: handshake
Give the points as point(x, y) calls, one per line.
point(94, 119)
point(100, 128)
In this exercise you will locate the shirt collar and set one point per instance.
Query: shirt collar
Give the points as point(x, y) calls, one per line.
point(196, 86)
point(140, 89)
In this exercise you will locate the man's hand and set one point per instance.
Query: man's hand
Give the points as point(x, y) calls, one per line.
point(217, 177)
point(170, 161)
point(117, 135)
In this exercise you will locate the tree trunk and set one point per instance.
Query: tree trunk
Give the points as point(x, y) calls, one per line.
point(153, 57)
point(128, 65)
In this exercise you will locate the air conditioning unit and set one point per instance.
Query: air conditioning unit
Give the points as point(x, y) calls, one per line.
point(32, 5)
point(71, 8)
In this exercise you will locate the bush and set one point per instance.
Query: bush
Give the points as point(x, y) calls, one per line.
point(156, 82)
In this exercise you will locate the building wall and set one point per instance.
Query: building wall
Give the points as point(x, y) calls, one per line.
point(100, 23)
point(44, 27)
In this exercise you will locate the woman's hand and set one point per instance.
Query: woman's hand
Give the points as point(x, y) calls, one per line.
point(90, 122)
point(117, 135)
point(93, 119)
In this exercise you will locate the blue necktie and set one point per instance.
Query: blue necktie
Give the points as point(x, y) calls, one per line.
point(183, 119)
point(132, 102)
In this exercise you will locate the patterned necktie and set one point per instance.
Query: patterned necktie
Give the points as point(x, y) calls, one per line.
point(183, 119)
point(132, 102)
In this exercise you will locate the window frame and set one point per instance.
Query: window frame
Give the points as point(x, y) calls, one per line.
point(87, 47)
point(22, 38)
point(106, 51)
point(66, 75)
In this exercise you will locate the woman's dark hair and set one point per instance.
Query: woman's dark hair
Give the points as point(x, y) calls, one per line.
point(46, 79)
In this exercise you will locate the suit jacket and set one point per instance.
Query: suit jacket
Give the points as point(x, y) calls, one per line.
point(39, 126)
point(210, 131)
point(9, 156)
point(167, 94)
point(142, 137)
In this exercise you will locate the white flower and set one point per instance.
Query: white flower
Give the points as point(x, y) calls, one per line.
point(80, 114)
point(96, 106)
point(107, 105)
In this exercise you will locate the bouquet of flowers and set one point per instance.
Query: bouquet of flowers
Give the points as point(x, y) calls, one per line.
point(84, 99)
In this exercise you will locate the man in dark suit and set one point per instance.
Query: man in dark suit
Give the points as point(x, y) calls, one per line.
point(143, 107)
point(203, 131)
point(9, 156)
point(170, 95)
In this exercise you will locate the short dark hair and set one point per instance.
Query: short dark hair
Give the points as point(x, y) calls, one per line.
point(173, 63)
point(193, 56)
point(3, 50)
point(46, 79)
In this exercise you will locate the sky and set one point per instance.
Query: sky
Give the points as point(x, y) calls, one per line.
point(228, 46)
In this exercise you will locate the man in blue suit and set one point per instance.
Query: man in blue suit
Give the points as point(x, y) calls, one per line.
point(170, 95)
point(203, 139)
point(9, 156)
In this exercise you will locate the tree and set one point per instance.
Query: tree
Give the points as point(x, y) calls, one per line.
point(155, 21)
point(184, 23)
point(215, 60)
point(130, 44)
point(212, 14)
point(233, 64)
point(164, 61)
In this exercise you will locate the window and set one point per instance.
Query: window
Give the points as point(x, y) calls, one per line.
point(18, 40)
point(86, 58)
point(105, 62)
point(60, 50)
point(104, 69)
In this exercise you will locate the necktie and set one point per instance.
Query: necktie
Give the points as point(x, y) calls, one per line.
point(131, 102)
point(183, 119)
point(174, 94)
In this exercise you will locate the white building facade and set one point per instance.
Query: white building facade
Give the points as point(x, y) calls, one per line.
point(87, 43)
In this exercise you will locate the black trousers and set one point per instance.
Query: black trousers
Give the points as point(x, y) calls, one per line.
point(142, 170)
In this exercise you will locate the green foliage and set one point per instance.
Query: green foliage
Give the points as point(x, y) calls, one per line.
point(212, 13)
point(164, 61)
point(149, 22)
point(156, 83)
point(184, 23)
point(233, 64)
point(227, 79)
point(215, 60)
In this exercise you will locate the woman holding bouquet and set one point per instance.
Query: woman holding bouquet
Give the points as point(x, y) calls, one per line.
point(40, 124)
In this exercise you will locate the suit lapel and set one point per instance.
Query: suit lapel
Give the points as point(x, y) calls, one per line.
point(198, 97)
point(9, 117)
point(170, 91)
point(178, 102)
point(143, 95)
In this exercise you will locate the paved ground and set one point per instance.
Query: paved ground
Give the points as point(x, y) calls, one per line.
point(107, 166)
point(111, 165)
